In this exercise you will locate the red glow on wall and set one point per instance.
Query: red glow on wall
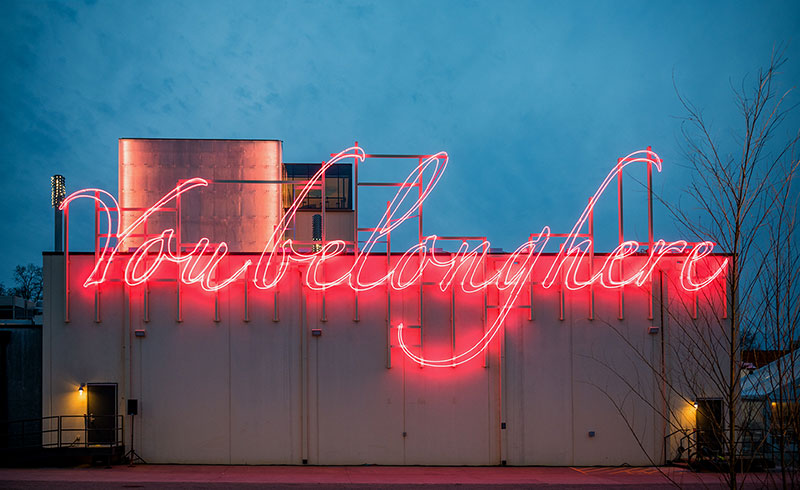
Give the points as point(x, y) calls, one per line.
point(463, 269)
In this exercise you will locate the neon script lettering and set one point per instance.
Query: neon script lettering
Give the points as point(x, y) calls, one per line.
point(199, 265)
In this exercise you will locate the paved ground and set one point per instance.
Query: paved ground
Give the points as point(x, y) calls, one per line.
point(187, 476)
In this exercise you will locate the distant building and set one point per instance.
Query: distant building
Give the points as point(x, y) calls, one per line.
point(20, 367)
point(16, 308)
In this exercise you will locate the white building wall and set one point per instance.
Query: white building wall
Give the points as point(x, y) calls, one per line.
point(268, 392)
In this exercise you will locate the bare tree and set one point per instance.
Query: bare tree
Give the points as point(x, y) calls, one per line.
point(779, 326)
point(743, 197)
point(28, 280)
point(741, 188)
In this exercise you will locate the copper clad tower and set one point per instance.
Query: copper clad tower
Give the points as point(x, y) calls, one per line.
point(242, 214)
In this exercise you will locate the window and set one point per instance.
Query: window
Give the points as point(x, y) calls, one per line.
point(338, 186)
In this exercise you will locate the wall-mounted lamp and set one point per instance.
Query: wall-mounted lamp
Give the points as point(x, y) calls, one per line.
point(695, 405)
point(80, 390)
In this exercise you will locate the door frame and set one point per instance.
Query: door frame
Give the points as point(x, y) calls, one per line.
point(114, 427)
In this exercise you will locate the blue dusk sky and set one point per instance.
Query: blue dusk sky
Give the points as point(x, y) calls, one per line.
point(533, 101)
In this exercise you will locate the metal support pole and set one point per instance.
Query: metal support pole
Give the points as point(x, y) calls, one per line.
point(530, 288)
point(650, 226)
point(725, 298)
point(561, 295)
point(275, 317)
point(58, 230)
point(591, 263)
point(66, 264)
point(216, 306)
point(453, 322)
point(96, 254)
point(355, 231)
point(246, 305)
point(621, 293)
point(178, 252)
point(485, 313)
point(389, 294)
point(324, 317)
point(419, 191)
point(146, 301)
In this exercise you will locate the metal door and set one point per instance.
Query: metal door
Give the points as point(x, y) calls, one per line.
point(101, 413)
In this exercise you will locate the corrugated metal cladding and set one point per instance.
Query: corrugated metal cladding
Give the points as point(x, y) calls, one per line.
point(241, 213)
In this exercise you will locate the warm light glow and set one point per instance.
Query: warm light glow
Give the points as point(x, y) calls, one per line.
point(695, 405)
point(80, 390)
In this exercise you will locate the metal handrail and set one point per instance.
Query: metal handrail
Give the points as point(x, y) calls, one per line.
point(18, 439)
point(751, 444)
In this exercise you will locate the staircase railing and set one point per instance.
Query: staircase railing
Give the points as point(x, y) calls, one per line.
point(63, 431)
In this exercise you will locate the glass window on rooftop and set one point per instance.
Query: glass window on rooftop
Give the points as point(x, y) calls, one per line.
point(338, 185)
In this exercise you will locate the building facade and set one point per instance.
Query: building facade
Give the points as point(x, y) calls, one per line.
point(308, 338)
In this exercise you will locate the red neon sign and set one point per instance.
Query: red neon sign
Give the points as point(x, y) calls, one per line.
point(199, 265)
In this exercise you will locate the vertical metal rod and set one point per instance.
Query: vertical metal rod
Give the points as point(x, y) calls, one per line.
point(96, 303)
point(96, 254)
point(66, 264)
point(530, 288)
point(619, 200)
point(178, 251)
point(693, 273)
point(217, 317)
point(725, 298)
point(561, 296)
point(304, 381)
point(650, 226)
point(324, 317)
point(591, 263)
point(58, 231)
point(485, 313)
point(246, 305)
point(146, 301)
point(275, 317)
point(322, 193)
point(389, 295)
point(419, 238)
point(421, 327)
point(388, 331)
point(453, 322)
point(96, 223)
point(649, 199)
point(621, 236)
point(146, 283)
point(355, 230)
point(419, 196)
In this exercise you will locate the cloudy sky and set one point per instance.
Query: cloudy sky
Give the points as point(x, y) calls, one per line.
point(534, 101)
